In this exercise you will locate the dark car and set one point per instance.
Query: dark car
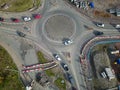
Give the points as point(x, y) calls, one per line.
point(73, 88)
point(21, 34)
point(15, 20)
point(70, 78)
point(97, 33)
point(1, 19)
point(65, 67)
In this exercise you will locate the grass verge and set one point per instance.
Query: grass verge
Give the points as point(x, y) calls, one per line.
point(49, 72)
point(9, 79)
point(58, 82)
point(19, 5)
point(41, 57)
point(38, 3)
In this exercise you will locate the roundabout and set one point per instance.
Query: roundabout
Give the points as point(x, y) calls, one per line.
point(59, 26)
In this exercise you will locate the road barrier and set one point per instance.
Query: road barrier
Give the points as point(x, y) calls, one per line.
point(39, 67)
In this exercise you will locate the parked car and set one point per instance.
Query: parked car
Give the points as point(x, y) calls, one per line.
point(80, 4)
point(70, 78)
point(27, 28)
point(26, 18)
point(21, 34)
point(1, 19)
point(100, 25)
point(73, 88)
point(37, 16)
point(67, 41)
point(65, 67)
point(117, 26)
point(72, 1)
point(57, 57)
point(97, 33)
point(15, 20)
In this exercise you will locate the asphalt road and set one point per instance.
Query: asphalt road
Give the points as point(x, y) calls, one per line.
point(9, 39)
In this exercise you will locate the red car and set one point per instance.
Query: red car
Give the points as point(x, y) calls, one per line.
point(15, 20)
point(37, 16)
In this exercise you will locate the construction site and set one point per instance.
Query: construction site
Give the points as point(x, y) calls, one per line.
point(105, 69)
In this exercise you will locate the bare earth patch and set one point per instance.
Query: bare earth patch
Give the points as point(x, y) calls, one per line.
point(106, 4)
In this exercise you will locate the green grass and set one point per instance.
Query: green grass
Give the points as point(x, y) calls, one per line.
point(41, 57)
point(60, 85)
point(38, 3)
point(9, 80)
point(3, 1)
point(49, 72)
point(19, 5)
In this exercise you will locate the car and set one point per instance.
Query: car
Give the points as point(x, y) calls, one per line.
point(15, 20)
point(77, 5)
point(100, 25)
point(27, 28)
point(65, 66)
point(80, 4)
point(72, 1)
point(26, 18)
point(97, 33)
point(37, 16)
point(21, 34)
point(70, 78)
point(1, 19)
point(73, 88)
point(67, 41)
point(117, 26)
point(57, 57)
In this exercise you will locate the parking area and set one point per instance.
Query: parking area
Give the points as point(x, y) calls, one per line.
point(97, 10)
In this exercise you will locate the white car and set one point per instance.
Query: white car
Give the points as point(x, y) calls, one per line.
point(67, 41)
point(57, 57)
point(100, 25)
point(26, 19)
point(117, 26)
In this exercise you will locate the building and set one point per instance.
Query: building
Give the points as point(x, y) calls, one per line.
point(109, 73)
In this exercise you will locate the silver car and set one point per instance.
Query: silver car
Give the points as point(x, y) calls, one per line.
point(67, 41)
point(26, 19)
point(100, 25)
point(57, 57)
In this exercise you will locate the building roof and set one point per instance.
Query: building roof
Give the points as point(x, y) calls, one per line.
point(109, 73)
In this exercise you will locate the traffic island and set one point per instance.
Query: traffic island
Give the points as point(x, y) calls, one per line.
point(58, 27)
